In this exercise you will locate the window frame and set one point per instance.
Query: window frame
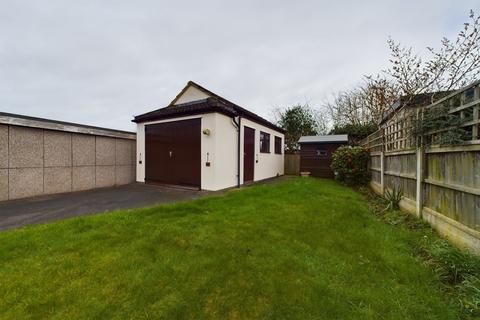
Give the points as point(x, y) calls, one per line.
point(275, 139)
point(262, 143)
point(322, 152)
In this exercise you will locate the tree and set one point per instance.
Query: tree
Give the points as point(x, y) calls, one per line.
point(346, 108)
point(378, 94)
point(299, 121)
point(454, 65)
point(356, 132)
point(364, 104)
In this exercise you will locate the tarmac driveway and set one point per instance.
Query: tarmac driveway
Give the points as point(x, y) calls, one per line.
point(16, 213)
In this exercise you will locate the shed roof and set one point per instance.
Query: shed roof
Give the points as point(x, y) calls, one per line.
point(327, 138)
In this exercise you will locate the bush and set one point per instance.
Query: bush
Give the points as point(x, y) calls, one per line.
point(356, 132)
point(350, 165)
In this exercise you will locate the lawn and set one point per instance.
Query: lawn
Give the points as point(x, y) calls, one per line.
point(299, 249)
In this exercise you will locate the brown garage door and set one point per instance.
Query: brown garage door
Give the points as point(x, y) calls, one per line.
point(172, 153)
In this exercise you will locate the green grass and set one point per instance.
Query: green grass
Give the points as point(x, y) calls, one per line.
point(300, 249)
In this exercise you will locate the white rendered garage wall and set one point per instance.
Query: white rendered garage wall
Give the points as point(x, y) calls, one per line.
point(218, 148)
point(225, 153)
point(191, 94)
point(269, 164)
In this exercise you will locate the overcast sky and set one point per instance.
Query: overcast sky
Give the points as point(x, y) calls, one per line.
point(101, 62)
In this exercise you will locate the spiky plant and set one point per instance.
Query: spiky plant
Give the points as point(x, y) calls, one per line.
point(393, 197)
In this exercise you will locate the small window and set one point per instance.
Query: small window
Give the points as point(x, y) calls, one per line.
point(321, 152)
point(278, 145)
point(264, 142)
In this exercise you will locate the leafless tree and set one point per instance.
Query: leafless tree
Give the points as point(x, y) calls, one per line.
point(378, 94)
point(365, 104)
point(321, 120)
point(455, 64)
point(346, 108)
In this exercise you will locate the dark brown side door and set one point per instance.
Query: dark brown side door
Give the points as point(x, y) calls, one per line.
point(173, 153)
point(248, 153)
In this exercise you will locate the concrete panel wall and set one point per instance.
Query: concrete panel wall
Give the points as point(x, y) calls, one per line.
point(105, 151)
point(36, 161)
point(83, 178)
point(3, 184)
point(25, 182)
point(3, 146)
point(25, 147)
point(83, 150)
point(57, 148)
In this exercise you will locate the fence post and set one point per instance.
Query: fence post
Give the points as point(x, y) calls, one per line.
point(476, 114)
point(419, 181)
point(382, 171)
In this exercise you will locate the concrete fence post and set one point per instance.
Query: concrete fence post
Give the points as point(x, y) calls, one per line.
point(382, 171)
point(419, 180)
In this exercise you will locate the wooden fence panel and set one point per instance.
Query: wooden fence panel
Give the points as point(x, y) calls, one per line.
point(447, 185)
point(440, 184)
point(292, 164)
point(452, 182)
point(376, 168)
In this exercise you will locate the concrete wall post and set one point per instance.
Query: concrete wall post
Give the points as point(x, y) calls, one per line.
point(382, 171)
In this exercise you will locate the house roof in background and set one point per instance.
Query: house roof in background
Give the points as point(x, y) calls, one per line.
point(415, 101)
point(327, 138)
point(213, 104)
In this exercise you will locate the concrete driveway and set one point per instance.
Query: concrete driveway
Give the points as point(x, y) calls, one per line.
point(17, 213)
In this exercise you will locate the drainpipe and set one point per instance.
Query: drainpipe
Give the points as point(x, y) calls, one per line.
point(239, 127)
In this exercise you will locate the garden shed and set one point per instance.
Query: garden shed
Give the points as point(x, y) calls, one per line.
point(316, 153)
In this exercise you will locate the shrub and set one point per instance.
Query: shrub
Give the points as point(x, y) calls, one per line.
point(350, 165)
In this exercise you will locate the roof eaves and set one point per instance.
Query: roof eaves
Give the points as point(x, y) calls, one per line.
point(191, 108)
point(215, 97)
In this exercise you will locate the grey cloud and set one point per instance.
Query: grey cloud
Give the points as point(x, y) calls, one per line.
point(101, 62)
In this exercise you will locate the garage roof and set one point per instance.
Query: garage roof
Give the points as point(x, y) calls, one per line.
point(214, 103)
point(42, 123)
point(328, 138)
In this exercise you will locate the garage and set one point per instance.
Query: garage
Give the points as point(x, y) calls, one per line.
point(173, 151)
point(204, 141)
point(316, 153)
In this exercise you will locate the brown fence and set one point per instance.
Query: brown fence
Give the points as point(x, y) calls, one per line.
point(292, 164)
point(440, 184)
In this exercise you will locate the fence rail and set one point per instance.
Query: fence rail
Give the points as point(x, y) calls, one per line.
point(440, 184)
